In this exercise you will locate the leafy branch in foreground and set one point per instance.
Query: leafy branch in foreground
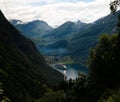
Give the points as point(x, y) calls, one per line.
point(114, 5)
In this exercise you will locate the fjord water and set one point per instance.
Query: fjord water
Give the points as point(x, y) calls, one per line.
point(74, 69)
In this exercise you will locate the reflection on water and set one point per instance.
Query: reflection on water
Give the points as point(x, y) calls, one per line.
point(73, 70)
point(71, 73)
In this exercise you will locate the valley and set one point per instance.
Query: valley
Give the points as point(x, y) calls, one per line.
point(72, 62)
point(65, 63)
point(70, 41)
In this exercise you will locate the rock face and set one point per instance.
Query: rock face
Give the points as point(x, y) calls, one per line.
point(23, 70)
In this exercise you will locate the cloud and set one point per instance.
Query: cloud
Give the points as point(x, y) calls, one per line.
point(55, 12)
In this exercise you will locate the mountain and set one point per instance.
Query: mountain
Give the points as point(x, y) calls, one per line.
point(32, 29)
point(65, 30)
point(15, 22)
point(55, 42)
point(80, 44)
point(75, 38)
point(23, 70)
point(48, 40)
point(77, 42)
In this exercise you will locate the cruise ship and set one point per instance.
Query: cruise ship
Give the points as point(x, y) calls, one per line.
point(61, 66)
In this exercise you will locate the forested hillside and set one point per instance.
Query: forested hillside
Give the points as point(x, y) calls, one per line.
point(23, 70)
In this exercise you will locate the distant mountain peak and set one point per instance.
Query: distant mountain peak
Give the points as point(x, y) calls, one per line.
point(16, 22)
point(37, 20)
point(69, 22)
point(79, 22)
point(33, 28)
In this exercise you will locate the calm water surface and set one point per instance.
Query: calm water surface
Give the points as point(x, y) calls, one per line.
point(73, 70)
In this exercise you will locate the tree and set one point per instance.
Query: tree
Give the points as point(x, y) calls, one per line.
point(104, 63)
point(114, 5)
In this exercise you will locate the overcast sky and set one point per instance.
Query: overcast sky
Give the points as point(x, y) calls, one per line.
point(55, 12)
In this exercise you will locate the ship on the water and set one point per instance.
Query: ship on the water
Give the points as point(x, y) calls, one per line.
point(61, 66)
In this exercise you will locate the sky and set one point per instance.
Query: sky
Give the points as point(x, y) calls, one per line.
point(55, 12)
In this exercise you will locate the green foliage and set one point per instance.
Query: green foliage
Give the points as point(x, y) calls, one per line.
point(66, 60)
point(111, 96)
point(1, 91)
point(104, 62)
point(53, 96)
point(68, 91)
point(3, 98)
point(114, 5)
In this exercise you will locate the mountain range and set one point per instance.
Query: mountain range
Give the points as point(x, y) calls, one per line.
point(72, 38)
point(23, 70)
point(32, 29)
